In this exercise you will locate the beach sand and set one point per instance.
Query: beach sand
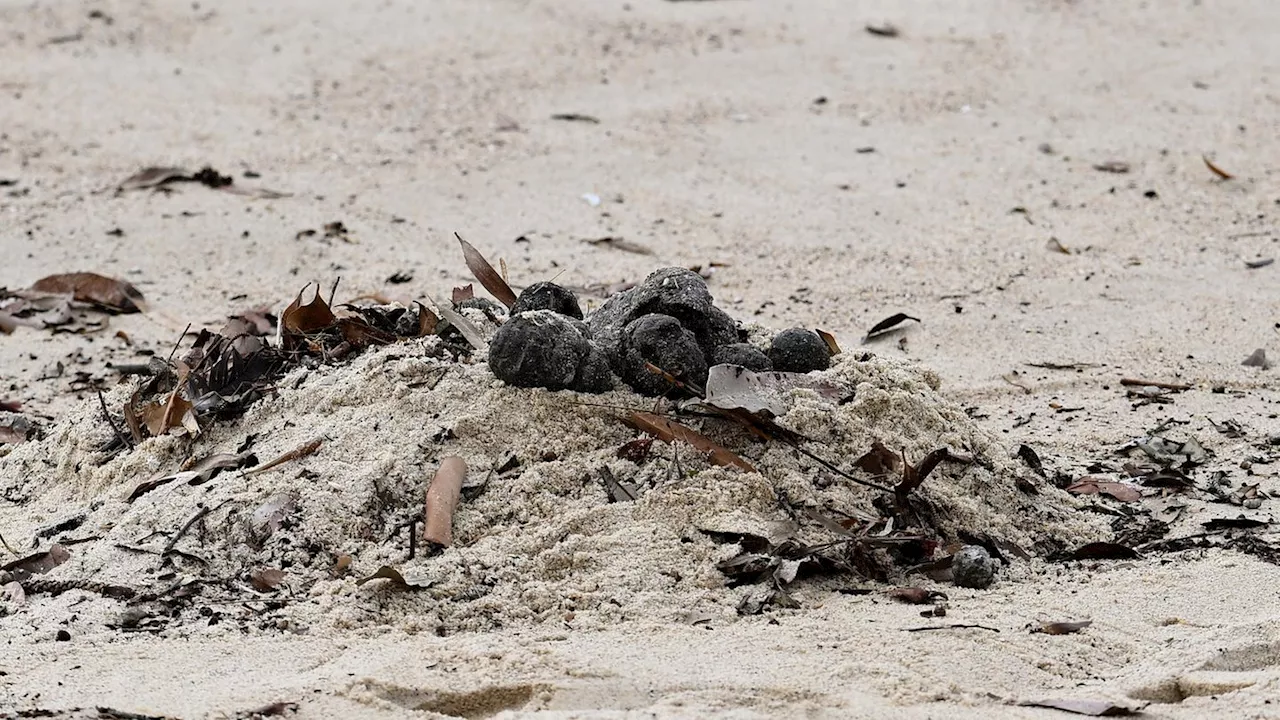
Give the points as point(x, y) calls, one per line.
point(831, 177)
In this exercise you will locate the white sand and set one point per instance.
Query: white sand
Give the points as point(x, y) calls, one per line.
point(710, 149)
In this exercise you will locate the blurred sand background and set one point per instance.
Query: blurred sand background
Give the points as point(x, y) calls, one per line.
point(733, 132)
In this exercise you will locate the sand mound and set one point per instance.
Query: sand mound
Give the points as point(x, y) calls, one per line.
point(536, 537)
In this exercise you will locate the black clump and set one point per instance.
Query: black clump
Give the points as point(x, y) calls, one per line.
point(799, 350)
point(662, 341)
point(548, 296)
point(541, 348)
point(743, 354)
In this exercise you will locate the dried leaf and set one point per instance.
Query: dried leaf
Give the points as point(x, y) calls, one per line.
point(1258, 359)
point(202, 472)
point(340, 565)
point(637, 451)
point(1061, 628)
point(833, 347)
point(302, 319)
point(266, 579)
point(153, 177)
point(1104, 551)
point(916, 595)
point(1091, 485)
point(887, 325)
point(398, 580)
point(1236, 523)
point(1112, 166)
point(618, 243)
point(1055, 245)
point(887, 30)
point(464, 326)
point(462, 294)
point(669, 431)
point(732, 387)
point(303, 450)
point(618, 491)
point(576, 117)
point(879, 461)
point(1096, 708)
point(270, 515)
point(485, 273)
point(1215, 169)
point(160, 418)
point(37, 563)
point(427, 320)
point(1259, 263)
point(105, 292)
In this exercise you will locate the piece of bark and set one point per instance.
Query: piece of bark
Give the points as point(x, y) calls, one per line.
point(442, 498)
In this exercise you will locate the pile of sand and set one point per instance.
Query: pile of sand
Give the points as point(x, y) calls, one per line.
point(536, 538)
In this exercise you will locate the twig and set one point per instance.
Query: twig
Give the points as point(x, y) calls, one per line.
point(334, 290)
point(299, 452)
point(102, 402)
point(1136, 382)
point(183, 530)
point(5, 543)
point(442, 500)
point(956, 626)
point(176, 345)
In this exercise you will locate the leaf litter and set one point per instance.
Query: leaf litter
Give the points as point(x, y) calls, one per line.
point(821, 499)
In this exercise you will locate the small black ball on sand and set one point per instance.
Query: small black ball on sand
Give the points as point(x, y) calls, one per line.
point(973, 567)
point(548, 296)
point(743, 354)
point(541, 348)
point(664, 342)
point(799, 350)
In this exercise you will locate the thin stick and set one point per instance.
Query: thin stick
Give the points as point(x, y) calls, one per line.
point(332, 291)
point(176, 345)
point(951, 627)
point(102, 402)
point(299, 452)
point(442, 499)
point(1136, 382)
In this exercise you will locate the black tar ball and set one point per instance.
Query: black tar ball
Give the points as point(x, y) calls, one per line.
point(799, 350)
point(743, 354)
point(664, 342)
point(547, 296)
point(541, 348)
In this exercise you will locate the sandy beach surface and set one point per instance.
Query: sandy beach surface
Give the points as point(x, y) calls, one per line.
point(962, 171)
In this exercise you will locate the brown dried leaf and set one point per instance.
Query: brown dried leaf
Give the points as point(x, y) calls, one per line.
point(637, 451)
point(270, 515)
point(160, 418)
point(461, 294)
point(618, 243)
point(1104, 551)
point(199, 473)
point(879, 461)
point(1215, 169)
point(464, 326)
point(1112, 166)
point(1061, 628)
point(887, 325)
point(427, 320)
point(105, 292)
point(1089, 485)
point(916, 595)
point(37, 563)
point(302, 319)
point(398, 580)
point(668, 430)
point(485, 273)
point(154, 177)
point(266, 579)
point(833, 347)
point(1095, 708)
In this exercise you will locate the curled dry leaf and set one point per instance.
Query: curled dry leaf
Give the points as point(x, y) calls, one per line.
point(1112, 166)
point(1061, 628)
point(732, 387)
point(105, 292)
point(1091, 485)
point(398, 580)
point(1215, 169)
point(887, 325)
point(159, 418)
point(833, 347)
point(462, 294)
point(668, 430)
point(37, 563)
point(302, 319)
point(1104, 551)
point(1095, 708)
point(464, 326)
point(270, 515)
point(484, 272)
point(916, 595)
point(266, 579)
point(201, 472)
